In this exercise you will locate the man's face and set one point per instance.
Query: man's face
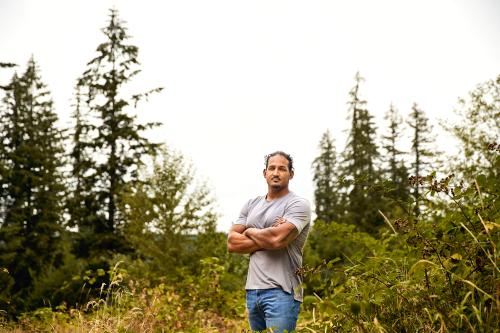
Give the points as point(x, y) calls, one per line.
point(277, 173)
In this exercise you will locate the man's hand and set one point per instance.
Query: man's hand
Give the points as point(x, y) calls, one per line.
point(278, 236)
point(238, 242)
point(278, 221)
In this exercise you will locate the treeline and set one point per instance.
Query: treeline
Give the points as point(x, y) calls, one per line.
point(102, 229)
point(407, 241)
point(371, 175)
point(74, 200)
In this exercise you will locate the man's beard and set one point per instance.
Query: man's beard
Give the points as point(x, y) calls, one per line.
point(276, 187)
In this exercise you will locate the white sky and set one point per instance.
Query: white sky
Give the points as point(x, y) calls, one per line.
point(245, 78)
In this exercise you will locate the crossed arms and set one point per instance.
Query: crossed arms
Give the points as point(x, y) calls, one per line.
point(248, 240)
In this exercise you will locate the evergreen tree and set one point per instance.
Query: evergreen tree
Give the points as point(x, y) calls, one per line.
point(359, 158)
point(421, 149)
point(395, 168)
point(31, 153)
point(172, 220)
point(326, 192)
point(81, 203)
point(109, 146)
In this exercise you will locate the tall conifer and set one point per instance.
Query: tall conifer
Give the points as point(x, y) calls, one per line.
point(395, 169)
point(109, 145)
point(359, 159)
point(325, 178)
point(421, 149)
point(31, 185)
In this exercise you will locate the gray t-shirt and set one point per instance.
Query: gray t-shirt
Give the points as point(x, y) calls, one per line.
point(277, 268)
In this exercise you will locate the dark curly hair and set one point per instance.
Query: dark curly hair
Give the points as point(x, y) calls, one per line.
point(282, 153)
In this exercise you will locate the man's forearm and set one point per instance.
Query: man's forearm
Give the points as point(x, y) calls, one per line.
point(239, 243)
point(268, 238)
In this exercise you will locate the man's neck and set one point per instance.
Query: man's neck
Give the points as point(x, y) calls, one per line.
point(273, 194)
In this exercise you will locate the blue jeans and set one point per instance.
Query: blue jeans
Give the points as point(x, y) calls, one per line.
point(272, 308)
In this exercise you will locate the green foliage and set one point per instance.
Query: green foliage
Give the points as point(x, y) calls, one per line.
point(358, 166)
point(477, 131)
point(327, 199)
point(171, 219)
point(433, 272)
point(146, 255)
point(205, 290)
point(57, 285)
point(394, 168)
point(330, 246)
point(423, 155)
point(127, 305)
point(431, 275)
point(109, 146)
point(31, 187)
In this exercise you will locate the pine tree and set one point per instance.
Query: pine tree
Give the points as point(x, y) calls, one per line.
point(395, 169)
point(421, 148)
point(81, 203)
point(326, 192)
point(359, 159)
point(31, 153)
point(109, 146)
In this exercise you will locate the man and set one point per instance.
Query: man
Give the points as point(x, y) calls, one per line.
point(273, 230)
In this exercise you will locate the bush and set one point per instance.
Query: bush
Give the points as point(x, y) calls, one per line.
point(431, 275)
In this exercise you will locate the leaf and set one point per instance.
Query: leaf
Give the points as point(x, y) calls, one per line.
point(448, 264)
point(456, 256)
point(332, 262)
point(491, 225)
point(420, 263)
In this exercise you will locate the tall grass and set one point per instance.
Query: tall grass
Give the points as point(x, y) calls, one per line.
point(130, 307)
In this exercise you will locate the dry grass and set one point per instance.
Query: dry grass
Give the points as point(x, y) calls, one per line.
point(133, 308)
point(133, 320)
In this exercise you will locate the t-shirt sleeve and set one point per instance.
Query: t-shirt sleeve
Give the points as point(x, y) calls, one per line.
point(298, 212)
point(242, 218)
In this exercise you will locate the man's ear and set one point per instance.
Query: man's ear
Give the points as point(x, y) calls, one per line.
point(291, 174)
point(264, 173)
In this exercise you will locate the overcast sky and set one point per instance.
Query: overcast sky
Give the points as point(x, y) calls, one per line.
point(245, 78)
